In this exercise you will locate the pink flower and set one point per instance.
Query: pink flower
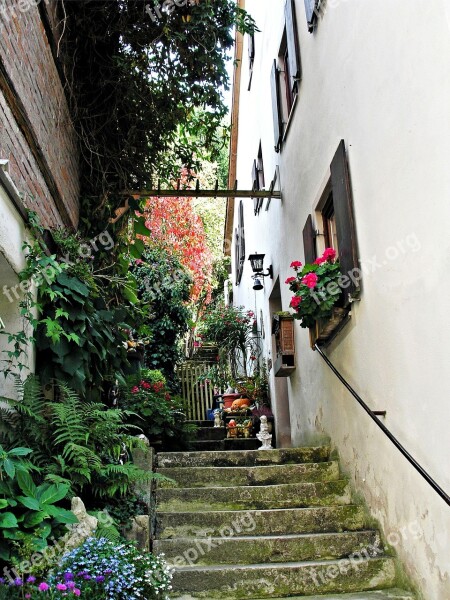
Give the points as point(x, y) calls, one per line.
point(196, 344)
point(145, 385)
point(329, 254)
point(310, 280)
point(320, 261)
point(290, 279)
point(295, 302)
point(43, 587)
point(296, 264)
point(27, 595)
point(61, 587)
point(76, 591)
point(138, 261)
point(135, 390)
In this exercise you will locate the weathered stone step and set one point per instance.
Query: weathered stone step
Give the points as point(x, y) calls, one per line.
point(294, 495)
point(239, 476)
point(226, 444)
point(261, 522)
point(393, 594)
point(248, 550)
point(243, 458)
point(201, 423)
point(211, 433)
point(271, 581)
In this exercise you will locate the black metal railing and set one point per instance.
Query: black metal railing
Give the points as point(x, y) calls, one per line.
point(437, 488)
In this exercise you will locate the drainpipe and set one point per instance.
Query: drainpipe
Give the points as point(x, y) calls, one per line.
point(226, 291)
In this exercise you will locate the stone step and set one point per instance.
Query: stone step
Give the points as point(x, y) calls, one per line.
point(262, 522)
point(243, 458)
point(225, 444)
point(268, 580)
point(201, 423)
point(247, 476)
point(393, 594)
point(210, 433)
point(296, 495)
point(234, 549)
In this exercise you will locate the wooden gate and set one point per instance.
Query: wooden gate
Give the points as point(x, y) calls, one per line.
point(197, 395)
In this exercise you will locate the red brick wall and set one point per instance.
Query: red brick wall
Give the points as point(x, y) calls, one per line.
point(27, 59)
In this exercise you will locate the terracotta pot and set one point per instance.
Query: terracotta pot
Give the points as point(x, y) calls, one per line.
point(228, 399)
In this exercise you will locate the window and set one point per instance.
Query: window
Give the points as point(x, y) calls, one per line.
point(258, 181)
point(286, 75)
point(338, 225)
point(239, 244)
point(251, 57)
point(329, 224)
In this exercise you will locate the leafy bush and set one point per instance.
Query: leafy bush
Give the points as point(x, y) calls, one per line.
point(316, 288)
point(158, 412)
point(84, 445)
point(164, 286)
point(29, 514)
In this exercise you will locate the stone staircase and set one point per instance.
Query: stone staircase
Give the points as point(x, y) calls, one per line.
point(215, 438)
point(268, 524)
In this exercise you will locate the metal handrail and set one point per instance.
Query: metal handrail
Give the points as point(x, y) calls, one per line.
point(437, 488)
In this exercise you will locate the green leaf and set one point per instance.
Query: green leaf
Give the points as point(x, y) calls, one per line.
point(31, 503)
point(73, 283)
point(3, 503)
point(61, 515)
point(9, 467)
point(54, 493)
point(20, 451)
point(34, 518)
point(8, 521)
point(26, 484)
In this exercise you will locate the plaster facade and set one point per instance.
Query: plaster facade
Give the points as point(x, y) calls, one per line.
point(376, 75)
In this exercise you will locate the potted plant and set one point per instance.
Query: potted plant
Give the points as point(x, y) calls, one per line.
point(317, 294)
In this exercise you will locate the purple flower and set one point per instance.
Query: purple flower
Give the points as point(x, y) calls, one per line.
point(87, 576)
point(107, 572)
point(68, 576)
point(70, 585)
point(18, 581)
point(31, 579)
point(43, 587)
point(99, 578)
point(2, 581)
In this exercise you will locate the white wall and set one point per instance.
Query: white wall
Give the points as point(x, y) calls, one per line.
point(376, 74)
point(12, 261)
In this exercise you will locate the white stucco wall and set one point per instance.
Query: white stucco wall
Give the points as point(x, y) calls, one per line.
point(12, 261)
point(376, 74)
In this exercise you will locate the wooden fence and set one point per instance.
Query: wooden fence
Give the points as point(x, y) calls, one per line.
point(197, 395)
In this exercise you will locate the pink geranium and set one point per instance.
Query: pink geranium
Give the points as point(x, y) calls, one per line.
point(310, 280)
point(320, 260)
point(290, 279)
point(295, 301)
point(329, 254)
point(296, 264)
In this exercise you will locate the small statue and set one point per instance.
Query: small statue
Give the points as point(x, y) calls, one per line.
point(264, 436)
point(217, 418)
point(232, 429)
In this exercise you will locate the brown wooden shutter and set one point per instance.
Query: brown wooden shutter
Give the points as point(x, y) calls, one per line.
point(311, 15)
point(309, 241)
point(255, 185)
point(345, 221)
point(293, 47)
point(240, 245)
point(251, 48)
point(276, 106)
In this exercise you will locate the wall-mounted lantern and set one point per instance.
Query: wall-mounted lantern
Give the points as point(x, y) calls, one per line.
point(257, 263)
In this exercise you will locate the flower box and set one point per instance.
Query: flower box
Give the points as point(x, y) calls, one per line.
point(326, 329)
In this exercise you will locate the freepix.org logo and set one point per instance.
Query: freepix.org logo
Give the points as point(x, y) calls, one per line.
point(155, 12)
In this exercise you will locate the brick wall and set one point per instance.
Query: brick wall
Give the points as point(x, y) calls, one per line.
point(46, 169)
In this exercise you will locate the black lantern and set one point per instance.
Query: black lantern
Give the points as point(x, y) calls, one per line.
point(257, 262)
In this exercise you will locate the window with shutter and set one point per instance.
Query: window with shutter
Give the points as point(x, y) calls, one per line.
point(342, 203)
point(276, 106)
point(239, 247)
point(251, 58)
point(286, 74)
point(311, 9)
point(258, 179)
